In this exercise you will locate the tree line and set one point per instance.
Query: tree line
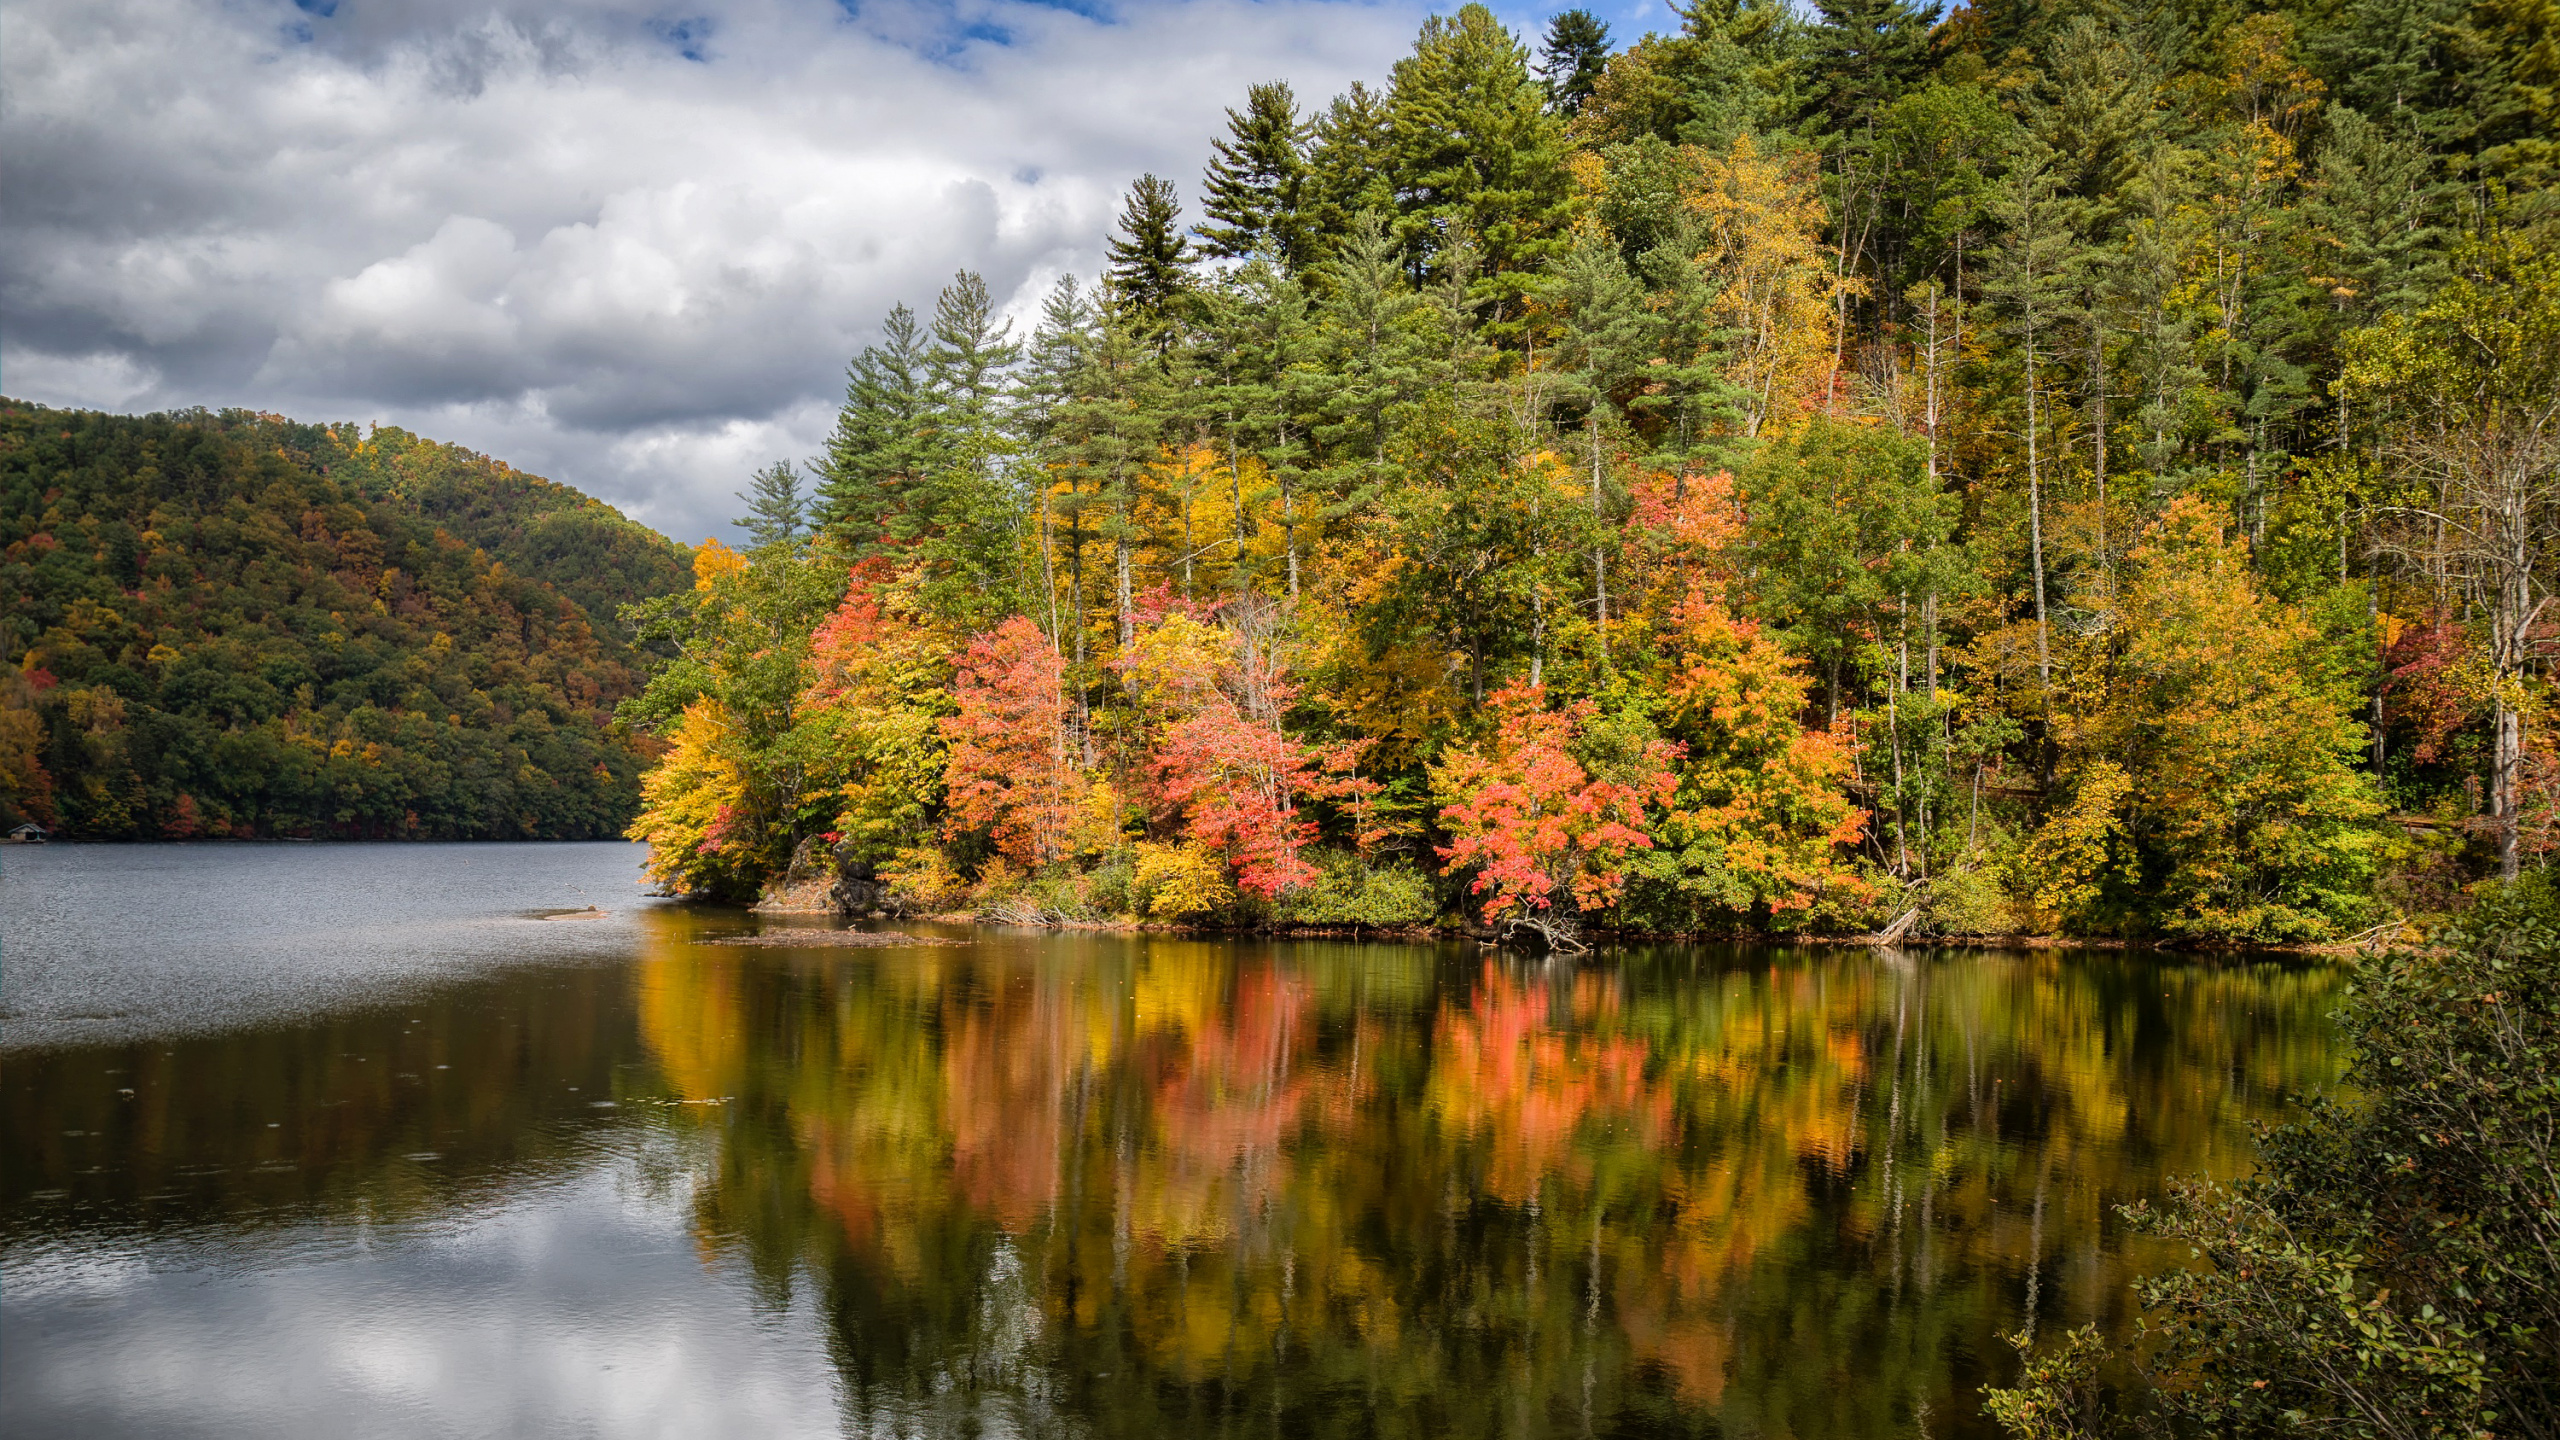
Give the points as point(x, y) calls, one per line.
point(2007, 471)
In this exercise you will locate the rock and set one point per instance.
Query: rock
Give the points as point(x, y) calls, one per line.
point(859, 890)
point(805, 887)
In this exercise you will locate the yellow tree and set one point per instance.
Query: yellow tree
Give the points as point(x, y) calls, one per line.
point(2214, 762)
point(1762, 219)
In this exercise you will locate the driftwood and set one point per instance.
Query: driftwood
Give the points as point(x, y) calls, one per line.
point(1892, 934)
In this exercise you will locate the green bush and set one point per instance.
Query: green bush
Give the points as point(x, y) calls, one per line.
point(1352, 893)
point(1969, 902)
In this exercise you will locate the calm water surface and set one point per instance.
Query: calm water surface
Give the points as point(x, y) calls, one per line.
point(339, 1141)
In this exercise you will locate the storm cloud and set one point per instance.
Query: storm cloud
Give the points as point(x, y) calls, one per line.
point(631, 249)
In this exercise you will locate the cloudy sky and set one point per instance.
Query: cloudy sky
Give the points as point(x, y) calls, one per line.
point(630, 248)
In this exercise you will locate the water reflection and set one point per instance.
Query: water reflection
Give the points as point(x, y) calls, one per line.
point(1096, 1185)
point(1151, 1186)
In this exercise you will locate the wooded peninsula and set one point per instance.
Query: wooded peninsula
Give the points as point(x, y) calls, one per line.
point(2026, 471)
point(2077, 473)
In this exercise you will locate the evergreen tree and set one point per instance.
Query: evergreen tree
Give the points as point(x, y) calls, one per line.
point(1479, 156)
point(776, 510)
point(970, 353)
point(970, 523)
point(1149, 259)
point(1739, 65)
point(1257, 175)
point(1268, 336)
point(2029, 278)
point(1858, 57)
point(885, 442)
point(2377, 200)
point(1571, 61)
point(1374, 345)
point(1350, 165)
point(1603, 338)
point(2095, 105)
point(1043, 413)
point(1688, 400)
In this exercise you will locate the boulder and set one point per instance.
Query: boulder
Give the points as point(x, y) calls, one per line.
point(859, 890)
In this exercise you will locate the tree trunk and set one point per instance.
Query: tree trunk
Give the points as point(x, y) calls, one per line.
point(2035, 518)
point(1599, 553)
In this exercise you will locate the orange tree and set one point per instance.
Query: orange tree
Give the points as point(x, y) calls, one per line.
point(1549, 811)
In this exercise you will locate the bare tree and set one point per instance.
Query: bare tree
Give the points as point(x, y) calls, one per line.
point(2474, 381)
point(2490, 534)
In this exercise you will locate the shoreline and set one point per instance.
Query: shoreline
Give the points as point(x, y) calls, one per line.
point(1483, 937)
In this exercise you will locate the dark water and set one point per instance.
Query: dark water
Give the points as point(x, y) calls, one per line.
point(319, 1141)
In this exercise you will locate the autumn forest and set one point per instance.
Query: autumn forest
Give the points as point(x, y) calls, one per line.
point(2080, 472)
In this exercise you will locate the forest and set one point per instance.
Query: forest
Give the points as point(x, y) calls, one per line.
point(2083, 471)
point(235, 625)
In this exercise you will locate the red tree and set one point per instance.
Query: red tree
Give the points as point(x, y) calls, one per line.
point(1223, 763)
point(1539, 826)
point(1009, 774)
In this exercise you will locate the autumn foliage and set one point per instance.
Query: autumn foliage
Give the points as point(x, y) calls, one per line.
point(1010, 774)
point(1540, 828)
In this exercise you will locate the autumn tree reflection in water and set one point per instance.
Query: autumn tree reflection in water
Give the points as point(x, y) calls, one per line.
point(1160, 1186)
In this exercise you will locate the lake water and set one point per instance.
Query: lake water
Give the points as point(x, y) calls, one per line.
point(342, 1141)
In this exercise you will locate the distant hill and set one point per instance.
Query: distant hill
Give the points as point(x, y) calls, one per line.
point(228, 623)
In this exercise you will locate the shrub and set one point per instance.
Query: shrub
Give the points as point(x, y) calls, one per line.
point(1178, 880)
point(922, 880)
point(1969, 901)
point(1349, 892)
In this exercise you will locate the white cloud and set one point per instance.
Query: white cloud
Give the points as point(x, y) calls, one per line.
point(552, 233)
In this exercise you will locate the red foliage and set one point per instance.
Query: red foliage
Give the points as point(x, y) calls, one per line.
point(1538, 825)
point(857, 624)
point(1223, 763)
point(2424, 686)
point(1008, 772)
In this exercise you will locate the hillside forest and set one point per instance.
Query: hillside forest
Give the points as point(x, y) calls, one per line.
point(234, 625)
point(2081, 471)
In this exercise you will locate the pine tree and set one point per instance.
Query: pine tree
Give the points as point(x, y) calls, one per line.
point(2096, 106)
point(1257, 176)
point(1374, 348)
point(1042, 411)
point(1859, 57)
point(1740, 67)
point(968, 521)
point(1689, 399)
point(884, 443)
point(1350, 166)
point(1269, 336)
point(1149, 260)
point(1603, 337)
point(970, 352)
point(776, 510)
point(2028, 280)
point(1571, 61)
point(1478, 155)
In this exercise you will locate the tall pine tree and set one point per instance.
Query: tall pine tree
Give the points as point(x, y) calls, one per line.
point(1257, 175)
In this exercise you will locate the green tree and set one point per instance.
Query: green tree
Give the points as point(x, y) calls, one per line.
point(1575, 52)
point(1253, 193)
point(776, 509)
point(1351, 165)
point(1149, 259)
point(1478, 157)
point(1603, 337)
point(885, 441)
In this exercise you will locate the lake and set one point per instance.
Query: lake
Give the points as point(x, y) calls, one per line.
point(307, 1140)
